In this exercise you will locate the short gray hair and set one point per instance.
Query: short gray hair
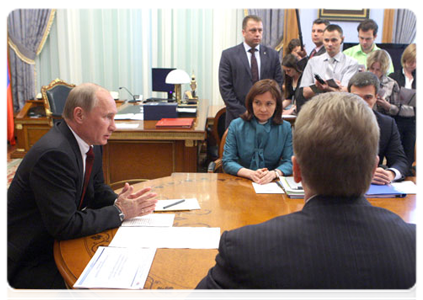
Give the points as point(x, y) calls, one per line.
point(84, 96)
point(362, 79)
point(336, 143)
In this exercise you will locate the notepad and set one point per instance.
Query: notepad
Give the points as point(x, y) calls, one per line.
point(268, 188)
point(175, 123)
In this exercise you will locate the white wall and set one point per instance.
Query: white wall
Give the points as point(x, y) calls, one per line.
point(307, 16)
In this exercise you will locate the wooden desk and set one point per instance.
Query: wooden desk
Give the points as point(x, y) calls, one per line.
point(226, 201)
point(148, 153)
point(29, 130)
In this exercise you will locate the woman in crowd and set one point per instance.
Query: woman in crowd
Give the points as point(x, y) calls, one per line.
point(406, 109)
point(293, 94)
point(378, 63)
point(294, 48)
point(259, 143)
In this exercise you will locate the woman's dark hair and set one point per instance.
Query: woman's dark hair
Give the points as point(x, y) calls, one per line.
point(289, 61)
point(259, 88)
point(292, 45)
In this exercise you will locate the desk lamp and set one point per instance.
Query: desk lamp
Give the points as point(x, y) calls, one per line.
point(178, 77)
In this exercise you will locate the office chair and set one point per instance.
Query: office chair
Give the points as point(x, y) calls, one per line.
point(416, 163)
point(216, 133)
point(54, 97)
point(216, 166)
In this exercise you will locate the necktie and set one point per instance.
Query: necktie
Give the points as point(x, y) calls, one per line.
point(312, 53)
point(330, 67)
point(89, 160)
point(254, 65)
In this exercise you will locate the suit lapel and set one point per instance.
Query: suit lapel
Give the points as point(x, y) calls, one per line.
point(244, 59)
point(263, 61)
point(64, 129)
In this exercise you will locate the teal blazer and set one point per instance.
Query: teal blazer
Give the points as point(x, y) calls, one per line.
point(253, 146)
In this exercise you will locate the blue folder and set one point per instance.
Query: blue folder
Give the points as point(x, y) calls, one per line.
point(383, 191)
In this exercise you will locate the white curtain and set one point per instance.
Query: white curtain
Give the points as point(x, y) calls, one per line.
point(118, 47)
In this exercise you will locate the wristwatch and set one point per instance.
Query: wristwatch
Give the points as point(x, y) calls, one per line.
point(121, 214)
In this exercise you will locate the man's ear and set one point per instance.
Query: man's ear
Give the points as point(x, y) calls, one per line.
point(78, 115)
point(376, 165)
point(296, 171)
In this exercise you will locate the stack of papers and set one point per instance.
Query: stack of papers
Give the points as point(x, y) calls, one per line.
point(292, 189)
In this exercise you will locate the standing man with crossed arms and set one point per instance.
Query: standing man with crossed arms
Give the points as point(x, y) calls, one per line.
point(239, 69)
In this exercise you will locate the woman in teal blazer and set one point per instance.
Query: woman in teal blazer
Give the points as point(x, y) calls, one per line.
point(259, 143)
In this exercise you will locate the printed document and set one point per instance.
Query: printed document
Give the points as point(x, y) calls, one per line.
point(151, 220)
point(117, 268)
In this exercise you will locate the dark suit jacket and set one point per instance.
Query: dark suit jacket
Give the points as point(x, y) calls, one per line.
point(43, 199)
point(390, 146)
point(399, 77)
point(235, 80)
point(333, 243)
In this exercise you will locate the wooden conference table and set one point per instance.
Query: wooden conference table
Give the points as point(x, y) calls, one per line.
point(226, 201)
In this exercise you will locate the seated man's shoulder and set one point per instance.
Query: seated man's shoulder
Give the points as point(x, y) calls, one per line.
point(382, 118)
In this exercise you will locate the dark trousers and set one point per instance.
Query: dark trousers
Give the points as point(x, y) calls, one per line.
point(407, 131)
point(34, 275)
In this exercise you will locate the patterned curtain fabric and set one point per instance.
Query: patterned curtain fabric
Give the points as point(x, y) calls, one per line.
point(273, 21)
point(27, 32)
point(404, 31)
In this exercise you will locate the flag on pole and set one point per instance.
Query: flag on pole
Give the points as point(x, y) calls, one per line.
point(10, 121)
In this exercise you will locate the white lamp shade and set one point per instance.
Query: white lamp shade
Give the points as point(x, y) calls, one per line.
point(178, 77)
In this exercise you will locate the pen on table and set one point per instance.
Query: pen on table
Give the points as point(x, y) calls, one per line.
point(167, 206)
point(279, 184)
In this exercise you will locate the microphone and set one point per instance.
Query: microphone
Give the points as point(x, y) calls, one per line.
point(133, 97)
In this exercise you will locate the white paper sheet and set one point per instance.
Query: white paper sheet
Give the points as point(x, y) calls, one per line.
point(406, 187)
point(167, 237)
point(188, 204)
point(127, 125)
point(123, 268)
point(268, 188)
point(151, 220)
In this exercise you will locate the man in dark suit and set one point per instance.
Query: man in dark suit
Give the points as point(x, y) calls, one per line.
point(338, 240)
point(236, 69)
point(317, 30)
point(47, 199)
point(366, 85)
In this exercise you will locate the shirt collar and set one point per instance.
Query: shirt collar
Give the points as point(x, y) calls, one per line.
point(318, 48)
point(83, 146)
point(337, 57)
point(247, 47)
